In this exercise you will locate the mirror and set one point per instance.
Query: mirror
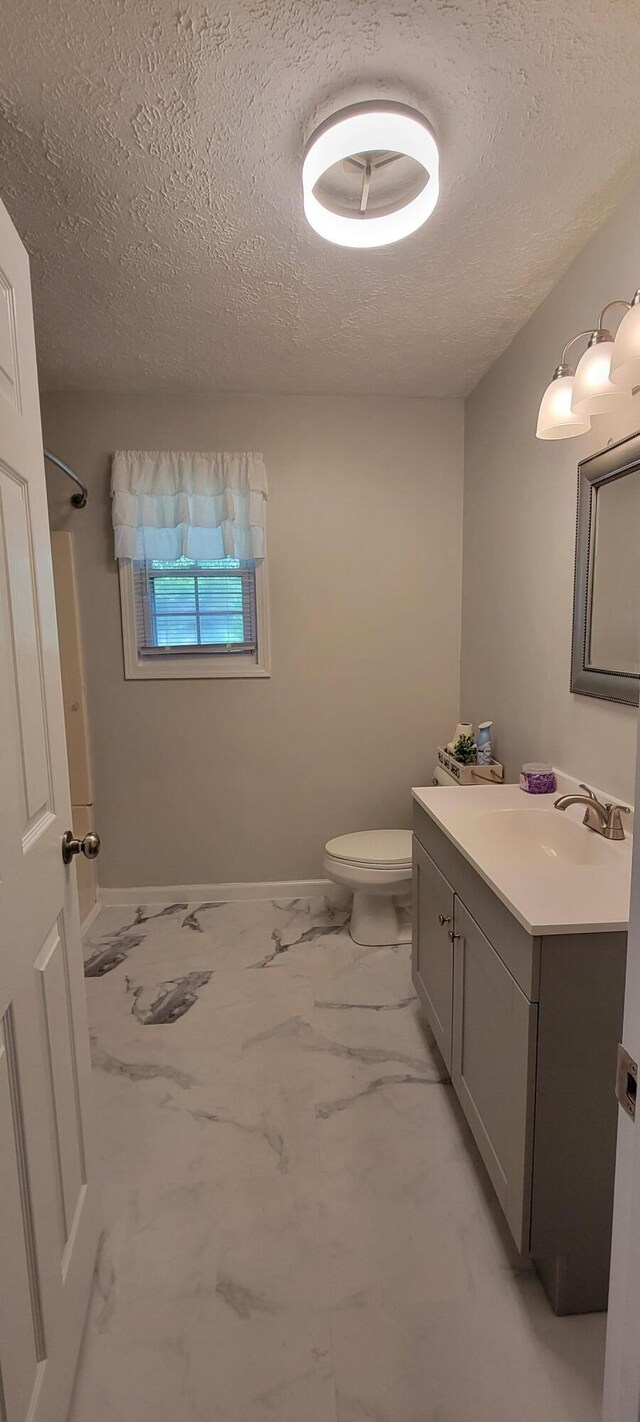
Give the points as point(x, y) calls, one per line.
point(606, 605)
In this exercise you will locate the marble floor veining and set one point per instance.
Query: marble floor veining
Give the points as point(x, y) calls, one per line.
point(297, 1225)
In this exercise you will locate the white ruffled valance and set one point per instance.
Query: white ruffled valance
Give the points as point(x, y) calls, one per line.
point(173, 504)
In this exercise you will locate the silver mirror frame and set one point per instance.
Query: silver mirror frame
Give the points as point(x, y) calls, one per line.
point(611, 463)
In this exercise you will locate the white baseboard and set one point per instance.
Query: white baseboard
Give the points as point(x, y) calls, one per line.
point(213, 893)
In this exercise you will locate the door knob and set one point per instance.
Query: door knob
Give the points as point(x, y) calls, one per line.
point(89, 846)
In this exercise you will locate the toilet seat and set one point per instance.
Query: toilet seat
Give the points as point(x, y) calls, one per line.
point(377, 850)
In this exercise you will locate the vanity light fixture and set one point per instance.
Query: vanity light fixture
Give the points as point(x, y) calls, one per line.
point(625, 361)
point(366, 138)
point(594, 393)
point(607, 373)
point(556, 418)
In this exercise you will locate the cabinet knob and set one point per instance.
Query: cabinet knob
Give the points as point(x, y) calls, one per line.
point(453, 936)
point(442, 919)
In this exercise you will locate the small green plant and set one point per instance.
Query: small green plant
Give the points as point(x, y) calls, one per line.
point(465, 750)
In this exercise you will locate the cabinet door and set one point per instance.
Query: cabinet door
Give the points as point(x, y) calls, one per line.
point(494, 1051)
point(432, 946)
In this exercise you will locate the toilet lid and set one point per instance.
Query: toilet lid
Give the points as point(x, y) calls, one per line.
point(382, 847)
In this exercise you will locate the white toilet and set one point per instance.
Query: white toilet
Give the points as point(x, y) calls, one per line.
point(376, 864)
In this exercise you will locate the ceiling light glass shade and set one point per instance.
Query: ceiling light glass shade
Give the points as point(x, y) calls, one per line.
point(556, 419)
point(625, 361)
point(370, 128)
point(593, 391)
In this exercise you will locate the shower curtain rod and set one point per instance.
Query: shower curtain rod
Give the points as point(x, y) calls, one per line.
point(78, 500)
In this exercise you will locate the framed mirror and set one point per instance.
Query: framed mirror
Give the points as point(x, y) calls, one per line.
point(605, 655)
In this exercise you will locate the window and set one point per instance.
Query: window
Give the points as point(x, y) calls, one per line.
point(194, 619)
point(209, 605)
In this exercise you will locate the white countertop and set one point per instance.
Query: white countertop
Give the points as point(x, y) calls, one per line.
point(546, 896)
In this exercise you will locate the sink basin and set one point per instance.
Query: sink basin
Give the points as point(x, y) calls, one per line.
point(531, 838)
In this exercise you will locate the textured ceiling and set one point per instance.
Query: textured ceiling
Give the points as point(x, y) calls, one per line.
point(150, 156)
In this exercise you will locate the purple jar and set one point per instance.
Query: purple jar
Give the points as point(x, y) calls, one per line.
point(538, 779)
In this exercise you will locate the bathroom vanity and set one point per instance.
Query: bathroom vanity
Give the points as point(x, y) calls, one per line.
point(519, 949)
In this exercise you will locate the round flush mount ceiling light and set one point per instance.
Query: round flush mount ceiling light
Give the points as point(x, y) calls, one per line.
point(376, 149)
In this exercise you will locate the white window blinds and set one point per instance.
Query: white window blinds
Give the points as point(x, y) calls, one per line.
point(189, 606)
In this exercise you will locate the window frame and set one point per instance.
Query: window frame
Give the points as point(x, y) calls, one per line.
point(181, 666)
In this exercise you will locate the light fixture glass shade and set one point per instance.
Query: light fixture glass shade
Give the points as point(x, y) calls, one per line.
point(370, 128)
point(625, 361)
point(593, 391)
point(556, 419)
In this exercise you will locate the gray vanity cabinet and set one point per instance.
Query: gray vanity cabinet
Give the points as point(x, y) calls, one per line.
point(528, 1028)
point(493, 1066)
point(433, 949)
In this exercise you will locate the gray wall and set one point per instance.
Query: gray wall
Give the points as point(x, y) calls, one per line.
point(519, 530)
point(216, 781)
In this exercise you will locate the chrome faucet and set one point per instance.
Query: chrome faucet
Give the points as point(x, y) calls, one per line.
point(603, 819)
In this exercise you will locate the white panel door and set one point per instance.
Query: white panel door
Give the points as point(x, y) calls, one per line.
point(48, 1207)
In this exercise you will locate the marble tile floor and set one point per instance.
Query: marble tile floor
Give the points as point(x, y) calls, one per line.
point(297, 1225)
